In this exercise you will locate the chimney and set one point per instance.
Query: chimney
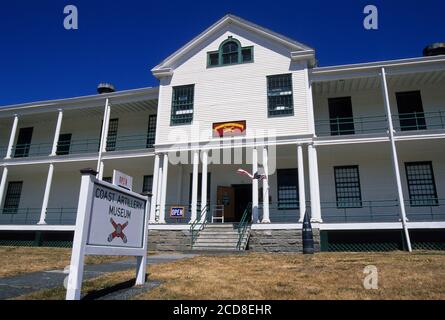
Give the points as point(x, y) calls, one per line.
point(105, 88)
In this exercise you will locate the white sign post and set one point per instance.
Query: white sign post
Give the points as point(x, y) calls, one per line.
point(110, 221)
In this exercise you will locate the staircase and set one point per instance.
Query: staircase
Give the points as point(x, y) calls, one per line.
point(222, 237)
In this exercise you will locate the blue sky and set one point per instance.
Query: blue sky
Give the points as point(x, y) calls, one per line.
point(120, 41)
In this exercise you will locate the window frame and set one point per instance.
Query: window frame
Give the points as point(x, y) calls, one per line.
point(219, 52)
point(144, 183)
point(12, 208)
point(173, 121)
point(338, 198)
point(280, 173)
point(151, 131)
point(286, 112)
point(433, 184)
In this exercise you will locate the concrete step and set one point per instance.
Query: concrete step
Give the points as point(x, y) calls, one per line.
point(217, 243)
point(210, 249)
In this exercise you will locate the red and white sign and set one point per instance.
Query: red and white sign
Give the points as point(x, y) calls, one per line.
point(122, 180)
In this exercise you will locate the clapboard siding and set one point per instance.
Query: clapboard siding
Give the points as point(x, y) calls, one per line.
point(237, 92)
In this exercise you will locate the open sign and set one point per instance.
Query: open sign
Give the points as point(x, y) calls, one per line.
point(177, 212)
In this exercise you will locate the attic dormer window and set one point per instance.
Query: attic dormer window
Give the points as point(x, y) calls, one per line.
point(230, 52)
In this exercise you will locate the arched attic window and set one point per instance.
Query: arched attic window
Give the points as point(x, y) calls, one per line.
point(230, 52)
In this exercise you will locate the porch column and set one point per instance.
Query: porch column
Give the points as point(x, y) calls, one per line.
point(12, 137)
point(159, 193)
point(255, 196)
point(100, 175)
point(314, 184)
point(301, 187)
point(3, 185)
point(154, 190)
point(204, 183)
point(266, 218)
point(103, 137)
point(194, 207)
point(49, 181)
point(57, 133)
point(395, 159)
point(164, 189)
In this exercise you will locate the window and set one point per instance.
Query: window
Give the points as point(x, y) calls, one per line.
point(23, 143)
point(410, 109)
point(112, 134)
point(182, 105)
point(287, 180)
point(151, 134)
point(230, 52)
point(280, 95)
point(347, 187)
point(421, 184)
point(64, 144)
point(12, 199)
point(340, 116)
point(147, 184)
point(108, 179)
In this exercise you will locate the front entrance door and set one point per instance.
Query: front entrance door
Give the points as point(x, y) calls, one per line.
point(243, 196)
point(226, 197)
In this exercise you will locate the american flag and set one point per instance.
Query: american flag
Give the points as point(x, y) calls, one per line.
point(255, 176)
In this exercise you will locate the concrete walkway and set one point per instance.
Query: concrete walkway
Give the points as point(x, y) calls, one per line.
point(12, 287)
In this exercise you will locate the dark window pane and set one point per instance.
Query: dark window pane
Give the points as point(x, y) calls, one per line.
point(23, 143)
point(147, 184)
point(12, 199)
point(247, 54)
point(108, 179)
point(341, 117)
point(182, 104)
point(64, 144)
point(151, 134)
point(112, 134)
point(280, 95)
point(421, 184)
point(288, 196)
point(213, 59)
point(410, 109)
point(347, 187)
point(230, 53)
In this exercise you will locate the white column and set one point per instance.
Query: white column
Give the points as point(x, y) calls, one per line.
point(204, 183)
point(266, 218)
point(3, 185)
point(314, 184)
point(12, 137)
point(100, 175)
point(103, 137)
point(195, 176)
point(106, 128)
point(395, 159)
point(164, 189)
point(154, 190)
point(49, 181)
point(255, 196)
point(159, 193)
point(301, 190)
point(57, 133)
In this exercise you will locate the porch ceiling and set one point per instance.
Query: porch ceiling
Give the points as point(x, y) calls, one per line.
point(338, 86)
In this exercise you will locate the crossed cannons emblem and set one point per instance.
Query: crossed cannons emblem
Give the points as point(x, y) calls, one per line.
point(118, 231)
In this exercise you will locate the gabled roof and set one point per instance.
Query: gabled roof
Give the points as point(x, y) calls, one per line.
point(298, 50)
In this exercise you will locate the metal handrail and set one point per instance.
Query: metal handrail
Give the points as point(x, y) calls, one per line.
point(31, 150)
point(242, 226)
point(132, 142)
point(30, 216)
point(436, 120)
point(357, 125)
point(199, 224)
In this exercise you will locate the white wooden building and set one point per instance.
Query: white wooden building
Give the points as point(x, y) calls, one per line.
point(359, 147)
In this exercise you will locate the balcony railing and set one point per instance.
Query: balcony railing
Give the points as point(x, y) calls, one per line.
point(31, 150)
point(419, 121)
point(351, 126)
point(3, 151)
point(31, 216)
point(78, 146)
point(132, 142)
